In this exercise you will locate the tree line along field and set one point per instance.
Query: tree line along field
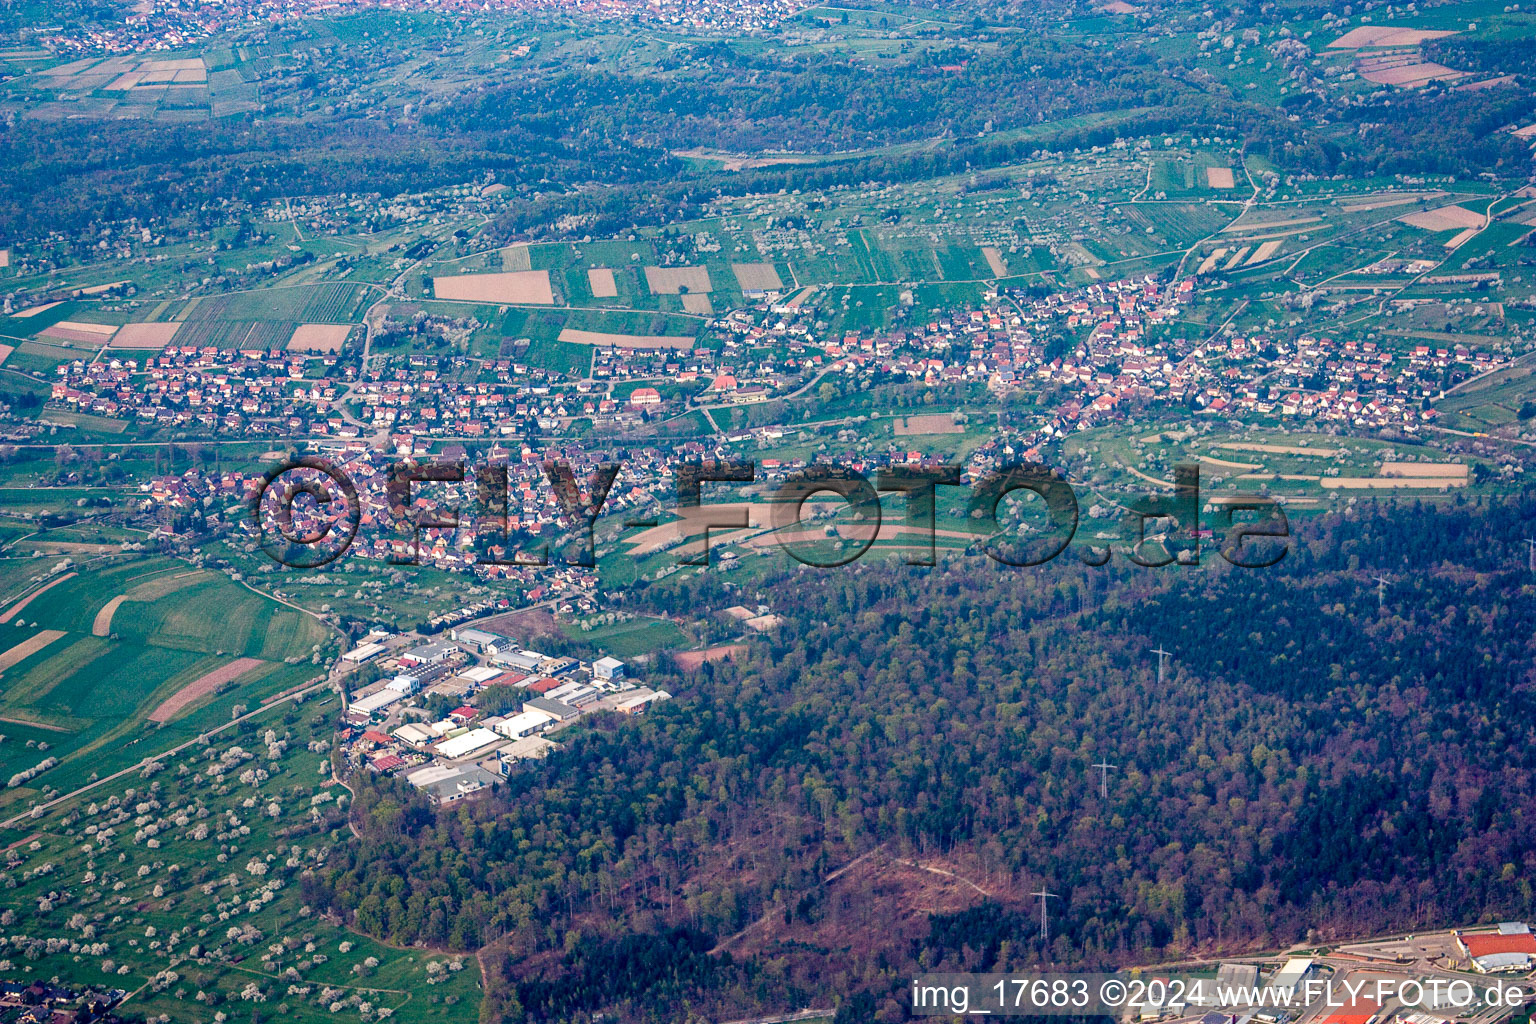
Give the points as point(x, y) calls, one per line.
point(128, 657)
point(185, 886)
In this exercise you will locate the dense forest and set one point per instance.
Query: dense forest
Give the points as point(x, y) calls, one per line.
point(589, 149)
point(1315, 763)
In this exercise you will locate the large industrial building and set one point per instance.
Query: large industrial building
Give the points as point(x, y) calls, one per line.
point(1509, 949)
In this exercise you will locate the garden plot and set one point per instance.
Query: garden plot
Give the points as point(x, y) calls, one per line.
point(931, 423)
point(202, 687)
point(28, 647)
point(1384, 35)
point(1220, 177)
point(1262, 253)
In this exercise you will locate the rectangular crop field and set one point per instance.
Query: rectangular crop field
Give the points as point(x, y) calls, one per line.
point(145, 336)
point(757, 277)
point(600, 280)
point(674, 280)
point(1219, 177)
point(517, 288)
point(625, 340)
point(318, 337)
point(1446, 218)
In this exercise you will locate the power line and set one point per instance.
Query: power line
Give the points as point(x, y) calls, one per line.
point(1104, 767)
point(1045, 921)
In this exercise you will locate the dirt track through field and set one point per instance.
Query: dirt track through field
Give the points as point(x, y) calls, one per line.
point(201, 687)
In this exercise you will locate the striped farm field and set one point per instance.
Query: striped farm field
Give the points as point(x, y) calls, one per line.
point(132, 654)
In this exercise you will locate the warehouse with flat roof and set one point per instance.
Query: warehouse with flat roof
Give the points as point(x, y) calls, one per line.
point(467, 743)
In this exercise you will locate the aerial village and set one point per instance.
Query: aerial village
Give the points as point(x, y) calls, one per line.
point(425, 405)
point(170, 25)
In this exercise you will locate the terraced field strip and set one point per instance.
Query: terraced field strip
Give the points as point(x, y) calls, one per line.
point(201, 687)
point(28, 647)
point(1281, 449)
point(16, 608)
point(103, 624)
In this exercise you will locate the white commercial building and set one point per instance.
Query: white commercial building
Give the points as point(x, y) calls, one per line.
point(376, 701)
point(523, 724)
point(414, 734)
point(362, 653)
point(404, 684)
point(468, 743)
point(1289, 978)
